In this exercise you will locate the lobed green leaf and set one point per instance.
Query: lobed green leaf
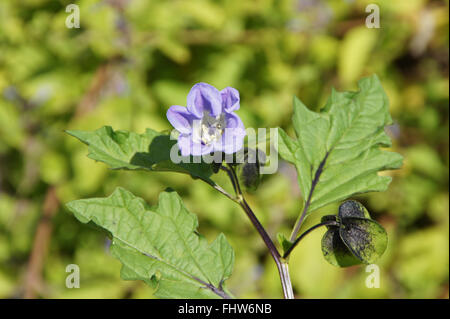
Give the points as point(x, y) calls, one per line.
point(160, 245)
point(337, 151)
point(148, 151)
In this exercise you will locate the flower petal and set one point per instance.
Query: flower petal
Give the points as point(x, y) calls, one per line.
point(233, 136)
point(204, 97)
point(233, 121)
point(184, 144)
point(232, 140)
point(189, 147)
point(200, 149)
point(180, 118)
point(230, 99)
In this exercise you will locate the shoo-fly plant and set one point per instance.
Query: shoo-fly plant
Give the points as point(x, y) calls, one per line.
point(337, 153)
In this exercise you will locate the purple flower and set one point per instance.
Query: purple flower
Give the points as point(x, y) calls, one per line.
point(208, 123)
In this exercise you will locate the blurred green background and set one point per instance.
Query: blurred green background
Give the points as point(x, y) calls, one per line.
point(131, 60)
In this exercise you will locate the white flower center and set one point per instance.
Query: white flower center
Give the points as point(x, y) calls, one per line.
point(209, 129)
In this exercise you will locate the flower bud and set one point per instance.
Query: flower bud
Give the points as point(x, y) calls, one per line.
point(248, 170)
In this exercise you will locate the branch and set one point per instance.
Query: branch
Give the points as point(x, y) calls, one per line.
point(327, 223)
point(299, 221)
point(282, 265)
point(40, 244)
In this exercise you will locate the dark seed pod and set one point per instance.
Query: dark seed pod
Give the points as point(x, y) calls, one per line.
point(248, 171)
point(352, 208)
point(355, 239)
point(329, 219)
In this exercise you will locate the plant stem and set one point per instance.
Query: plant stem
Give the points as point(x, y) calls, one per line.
point(282, 265)
point(288, 252)
point(283, 270)
point(224, 192)
point(299, 221)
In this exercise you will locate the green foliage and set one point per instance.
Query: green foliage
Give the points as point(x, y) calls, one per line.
point(160, 245)
point(284, 242)
point(339, 145)
point(336, 152)
point(128, 150)
point(128, 64)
